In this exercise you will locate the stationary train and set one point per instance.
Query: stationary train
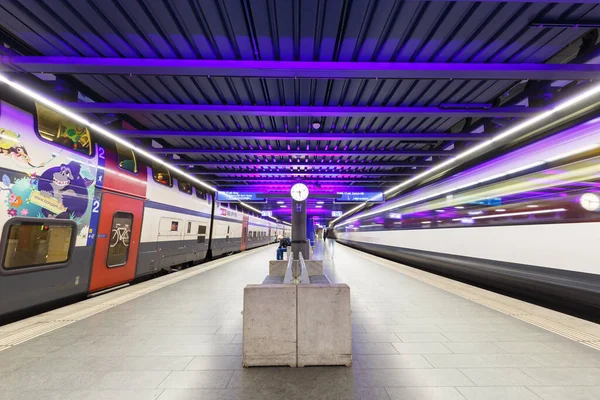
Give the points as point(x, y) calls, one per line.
point(526, 223)
point(80, 216)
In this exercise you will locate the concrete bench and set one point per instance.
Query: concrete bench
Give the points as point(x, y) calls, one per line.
point(269, 327)
point(317, 311)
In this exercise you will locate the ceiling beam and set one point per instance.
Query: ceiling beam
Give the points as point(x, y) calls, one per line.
point(301, 111)
point(293, 152)
point(296, 69)
point(312, 175)
point(302, 136)
point(269, 164)
point(240, 181)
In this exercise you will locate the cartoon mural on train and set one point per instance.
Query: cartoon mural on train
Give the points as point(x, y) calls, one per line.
point(57, 185)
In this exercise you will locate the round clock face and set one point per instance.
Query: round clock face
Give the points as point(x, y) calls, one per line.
point(299, 192)
point(590, 201)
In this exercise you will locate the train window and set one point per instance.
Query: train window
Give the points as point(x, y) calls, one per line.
point(126, 159)
point(189, 229)
point(118, 250)
point(200, 194)
point(184, 186)
point(174, 226)
point(201, 234)
point(35, 244)
point(161, 174)
point(63, 131)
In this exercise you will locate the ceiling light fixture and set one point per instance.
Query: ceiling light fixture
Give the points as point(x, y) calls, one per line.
point(108, 134)
point(509, 132)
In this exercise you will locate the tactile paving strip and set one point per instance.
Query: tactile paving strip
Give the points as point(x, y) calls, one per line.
point(500, 303)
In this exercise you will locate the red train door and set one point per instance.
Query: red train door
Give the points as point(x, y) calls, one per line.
point(244, 233)
point(117, 242)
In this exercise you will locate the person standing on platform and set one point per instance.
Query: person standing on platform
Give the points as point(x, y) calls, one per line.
point(283, 245)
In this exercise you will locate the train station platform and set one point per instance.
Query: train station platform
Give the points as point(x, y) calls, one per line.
point(415, 336)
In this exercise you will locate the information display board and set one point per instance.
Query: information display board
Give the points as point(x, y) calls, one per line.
point(359, 197)
point(232, 197)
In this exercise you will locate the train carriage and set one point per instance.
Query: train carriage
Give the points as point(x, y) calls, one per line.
point(78, 216)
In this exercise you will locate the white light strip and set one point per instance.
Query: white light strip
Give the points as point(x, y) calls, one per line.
point(574, 152)
point(96, 128)
point(510, 132)
point(516, 213)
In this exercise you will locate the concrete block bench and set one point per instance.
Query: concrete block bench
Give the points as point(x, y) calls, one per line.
point(324, 324)
point(312, 328)
point(269, 327)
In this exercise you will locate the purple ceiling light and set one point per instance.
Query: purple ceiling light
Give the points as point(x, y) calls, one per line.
point(299, 111)
point(297, 69)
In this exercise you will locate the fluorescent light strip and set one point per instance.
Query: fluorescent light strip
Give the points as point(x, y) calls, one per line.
point(96, 128)
point(510, 132)
point(516, 213)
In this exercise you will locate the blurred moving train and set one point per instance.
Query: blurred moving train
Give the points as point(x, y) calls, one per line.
point(526, 223)
point(79, 216)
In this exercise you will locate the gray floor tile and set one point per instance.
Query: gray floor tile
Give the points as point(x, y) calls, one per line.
point(401, 328)
point(409, 337)
point(498, 377)
point(565, 376)
point(526, 347)
point(470, 337)
point(197, 380)
point(82, 395)
point(390, 361)
point(215, 363)
point(567, 392)
point(129, 380)
point(285, 392)
point(374, 337)
point(567, 360)
point(410, 377)
point(346, 393)
point(498, 393)
point(503, 336)
point(373, 348)
point(421, 348)
point(480, 360)
point(571, 347)
point(474, 348)
point(420, 393)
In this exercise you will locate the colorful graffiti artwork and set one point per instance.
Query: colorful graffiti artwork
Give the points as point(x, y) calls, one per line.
point(61, 185)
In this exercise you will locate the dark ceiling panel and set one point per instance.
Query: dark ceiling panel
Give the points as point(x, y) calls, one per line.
point(311, 30)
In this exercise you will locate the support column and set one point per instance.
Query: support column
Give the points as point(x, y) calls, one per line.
point(299, 242)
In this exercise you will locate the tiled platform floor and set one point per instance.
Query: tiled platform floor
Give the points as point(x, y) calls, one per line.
point(411, 341)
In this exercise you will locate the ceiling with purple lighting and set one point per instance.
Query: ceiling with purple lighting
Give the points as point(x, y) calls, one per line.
point(256, 95)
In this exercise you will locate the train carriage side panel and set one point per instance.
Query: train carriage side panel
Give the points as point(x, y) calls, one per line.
point(257, 232)
point(123, 191)
point(48, 209)
point(175, 229)
point(227, 232)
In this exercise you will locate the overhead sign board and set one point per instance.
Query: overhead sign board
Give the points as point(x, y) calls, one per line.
point(238, 196)
point(266, 213)
point(358, 197)
point(337, 213)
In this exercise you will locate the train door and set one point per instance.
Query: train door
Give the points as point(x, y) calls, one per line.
point(117, 242)
point(244, 233)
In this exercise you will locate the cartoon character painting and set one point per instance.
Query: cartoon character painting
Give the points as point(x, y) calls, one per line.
point(63, 186)
point(11, 147)
point(66, 185)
